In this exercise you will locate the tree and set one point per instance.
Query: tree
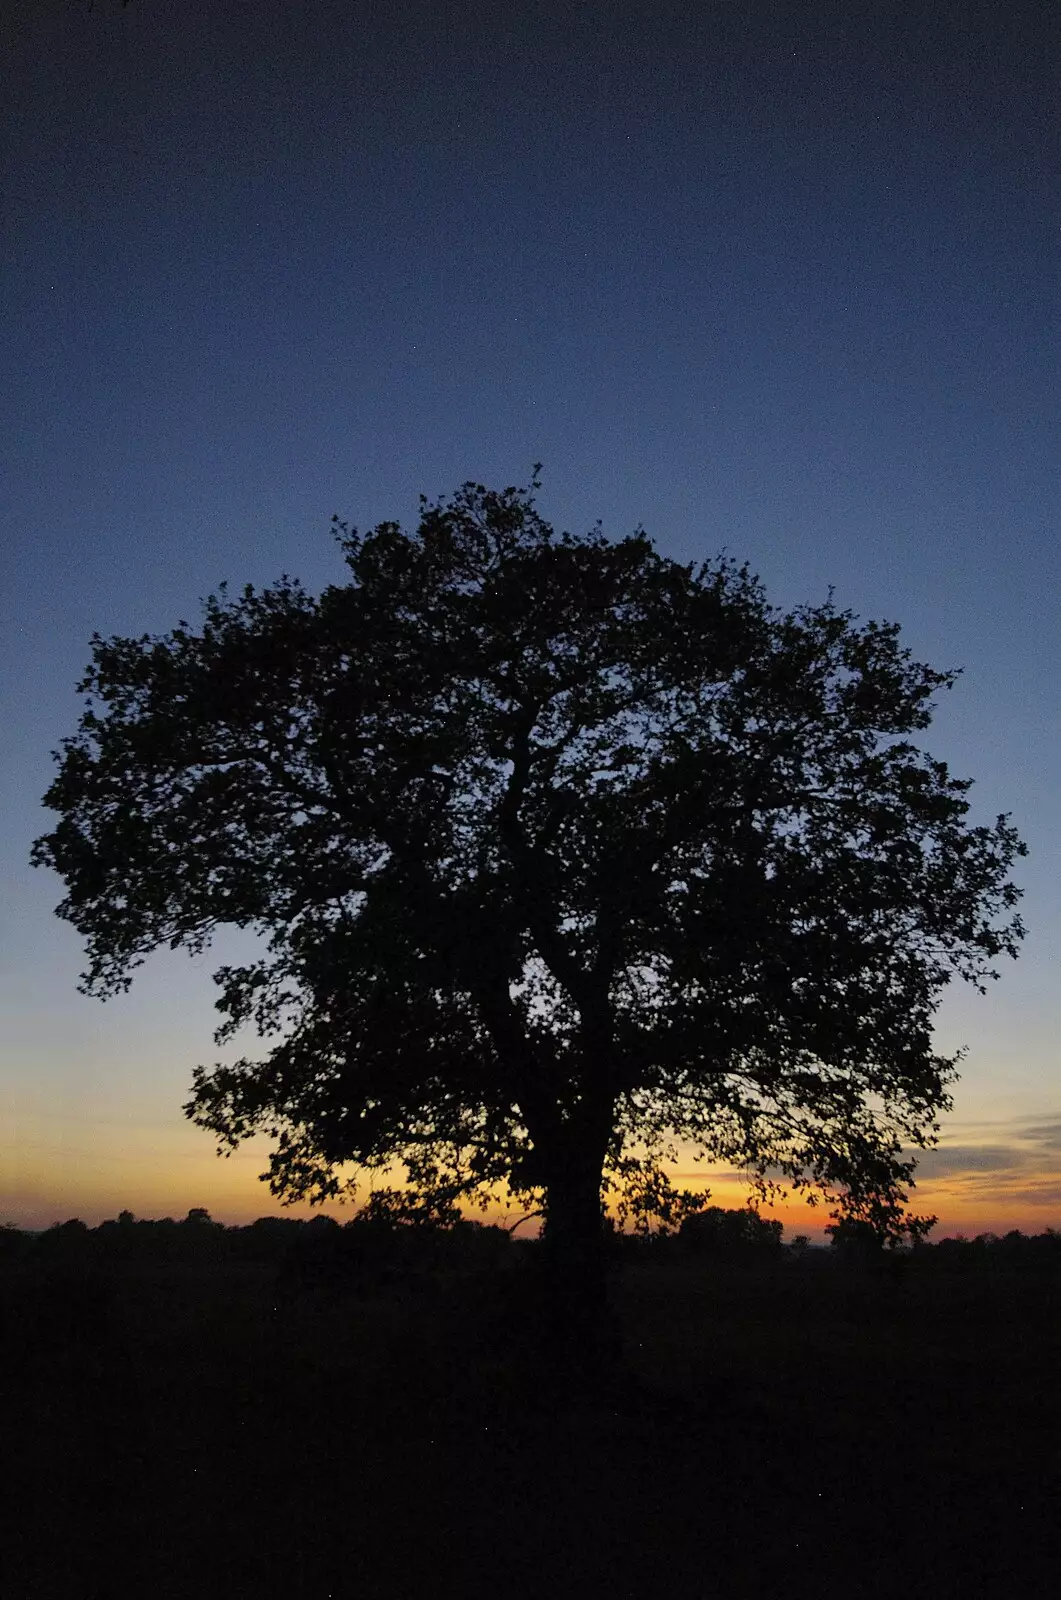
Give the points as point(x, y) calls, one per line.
point(562, 851)
point(731, 1235)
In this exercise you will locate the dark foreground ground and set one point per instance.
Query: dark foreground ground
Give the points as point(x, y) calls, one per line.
point(186, 1432)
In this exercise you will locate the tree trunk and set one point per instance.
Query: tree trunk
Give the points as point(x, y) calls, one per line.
point(579, 1334)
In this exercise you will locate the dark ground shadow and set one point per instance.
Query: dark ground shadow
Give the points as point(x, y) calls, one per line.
point(175, 1432)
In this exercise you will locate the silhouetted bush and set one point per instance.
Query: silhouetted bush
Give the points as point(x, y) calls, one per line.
point(743, 1235)
point(990, 1253)
point(64, 1241)
point(372, 1251)
point(13, 1244)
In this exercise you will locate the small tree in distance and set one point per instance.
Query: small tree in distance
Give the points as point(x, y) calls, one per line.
point(563, 852)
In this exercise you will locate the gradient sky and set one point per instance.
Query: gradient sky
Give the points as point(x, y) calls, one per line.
point(780, 278)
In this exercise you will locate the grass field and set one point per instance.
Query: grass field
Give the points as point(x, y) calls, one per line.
point(186, 1432)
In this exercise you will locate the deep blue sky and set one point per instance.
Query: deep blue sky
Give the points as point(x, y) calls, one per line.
point(776, 277)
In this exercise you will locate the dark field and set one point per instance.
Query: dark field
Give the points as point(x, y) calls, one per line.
point(798, 1429)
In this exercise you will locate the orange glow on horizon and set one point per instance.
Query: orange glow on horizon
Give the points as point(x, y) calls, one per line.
point(46, 1191)
point(54, 1168)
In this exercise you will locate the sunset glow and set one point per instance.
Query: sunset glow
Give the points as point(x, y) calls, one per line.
point(779, 288)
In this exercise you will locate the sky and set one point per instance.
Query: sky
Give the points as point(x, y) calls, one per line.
point(778, 278)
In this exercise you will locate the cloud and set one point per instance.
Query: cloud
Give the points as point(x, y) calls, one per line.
point(1022, 1147)
point(951, 1159)
point(708, 1174)
point(1045, 1128)
point(1045, 1134)
point(1005, 1172)
point(1019, 1180)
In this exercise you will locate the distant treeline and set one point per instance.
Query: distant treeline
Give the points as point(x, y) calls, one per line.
point(367, 1239)
point(365, 1247)
point(375, 1246)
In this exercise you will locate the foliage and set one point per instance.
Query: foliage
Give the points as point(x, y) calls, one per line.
point(1013, 1249)
point(863, 1237)
point(375, 1247)
point(560, 851)
point(734, 1234)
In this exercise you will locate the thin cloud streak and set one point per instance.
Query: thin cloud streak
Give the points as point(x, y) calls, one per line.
point(997, 1174)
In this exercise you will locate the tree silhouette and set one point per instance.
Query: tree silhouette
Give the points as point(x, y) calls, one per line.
point(562, 851)
point(730, 1234)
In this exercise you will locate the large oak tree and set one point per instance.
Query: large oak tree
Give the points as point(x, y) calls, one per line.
point(561, 851)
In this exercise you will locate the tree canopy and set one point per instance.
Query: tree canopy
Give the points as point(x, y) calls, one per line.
point(561, 851)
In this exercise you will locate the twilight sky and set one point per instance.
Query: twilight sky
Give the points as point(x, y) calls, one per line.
point(780, 277)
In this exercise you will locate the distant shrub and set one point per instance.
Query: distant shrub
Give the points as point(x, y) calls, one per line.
point(64, 1241)
point(988, 1252)
point(13, 1243)
point(730, 1235)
